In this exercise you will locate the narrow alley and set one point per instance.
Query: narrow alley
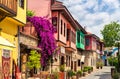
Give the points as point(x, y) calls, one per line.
point(104, 73)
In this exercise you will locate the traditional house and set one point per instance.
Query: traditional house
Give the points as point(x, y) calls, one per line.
point(91, 54)
point(12, 16)
point(65, 37)
point(80, 44)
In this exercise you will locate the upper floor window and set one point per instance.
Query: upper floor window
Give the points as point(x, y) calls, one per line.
point(78, 37)
point(87, 41)
point(61, 26)
point(73, 37)
point(54, 21)
point(68, 34)
point(21, 3)
point(78, 62)
point(82, 39)
point(64, 29)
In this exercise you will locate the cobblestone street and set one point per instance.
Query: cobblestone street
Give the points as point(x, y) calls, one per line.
point(104, 73)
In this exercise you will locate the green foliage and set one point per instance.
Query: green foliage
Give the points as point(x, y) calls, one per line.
point(116, 76)
point(87, 67)
point(30, 13)
point(34, 60)
point(70, 73)
point(113, 61)
point(85, 70)
point(101, 64)
point(79, 72)
point(97, 64)
point(56, 75)
point(110, 33)
point(62, 68)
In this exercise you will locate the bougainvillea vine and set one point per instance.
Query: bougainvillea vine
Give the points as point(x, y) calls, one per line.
point(45, 32)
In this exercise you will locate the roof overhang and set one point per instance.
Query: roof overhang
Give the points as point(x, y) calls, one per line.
point(66, 13)
point(5, 42)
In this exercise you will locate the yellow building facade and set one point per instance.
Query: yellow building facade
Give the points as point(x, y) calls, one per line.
point(9, 25)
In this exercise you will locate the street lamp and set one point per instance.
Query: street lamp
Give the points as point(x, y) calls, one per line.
point(118, 42)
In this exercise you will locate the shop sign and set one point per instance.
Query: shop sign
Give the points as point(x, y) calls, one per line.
point(62, 49)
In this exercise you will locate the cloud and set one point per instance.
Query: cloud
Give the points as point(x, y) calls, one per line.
point(94, 14)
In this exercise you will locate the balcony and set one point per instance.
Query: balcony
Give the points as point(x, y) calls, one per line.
point(8, 8)
point(70, 45)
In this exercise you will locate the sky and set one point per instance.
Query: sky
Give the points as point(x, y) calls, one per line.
point(94, 14)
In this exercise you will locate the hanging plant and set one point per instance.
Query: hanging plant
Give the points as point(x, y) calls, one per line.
point(45, 32)
point(30, 13)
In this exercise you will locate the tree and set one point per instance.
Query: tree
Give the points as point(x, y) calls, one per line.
point(45, 31)
point(34, 60)
point(110, 34)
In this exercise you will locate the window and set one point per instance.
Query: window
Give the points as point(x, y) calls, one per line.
point(21, 3)
point(54, 21)
point(73, 37)
point(67, 60)
point(68, 34)
point(78, 62)
point(61, 26)
point(64, 29)
point(82, 39)
point(87, 42)
point(78, 37)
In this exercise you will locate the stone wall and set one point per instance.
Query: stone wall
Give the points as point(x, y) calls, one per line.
point(28, 40)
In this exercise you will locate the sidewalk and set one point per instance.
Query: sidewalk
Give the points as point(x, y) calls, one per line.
point(104, 73)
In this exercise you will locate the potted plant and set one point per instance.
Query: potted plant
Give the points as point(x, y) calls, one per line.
point(30, 13)
point(69, 73)
point(97, 65)
point(73, 75)
point(79, 74)
point(33, 61)
point(101, 65)
point(56, 75)
point(85, 71)
point(62, 68)
point(89, 69)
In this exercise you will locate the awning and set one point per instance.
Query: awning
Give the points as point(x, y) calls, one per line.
point(82, 58)
point(5, 42)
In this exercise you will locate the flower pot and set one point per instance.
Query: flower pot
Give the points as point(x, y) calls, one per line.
point(89, 71)
point(74, 77)
point(84, 73)
point(78, 76)
point(97, 67)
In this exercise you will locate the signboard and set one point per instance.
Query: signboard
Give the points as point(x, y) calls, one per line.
point(62, 49)
point(6, 63)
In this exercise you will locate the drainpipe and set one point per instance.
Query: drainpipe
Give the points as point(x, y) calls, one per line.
point(19, 47)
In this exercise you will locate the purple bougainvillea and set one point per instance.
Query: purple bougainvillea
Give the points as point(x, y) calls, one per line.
point(45, 32)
